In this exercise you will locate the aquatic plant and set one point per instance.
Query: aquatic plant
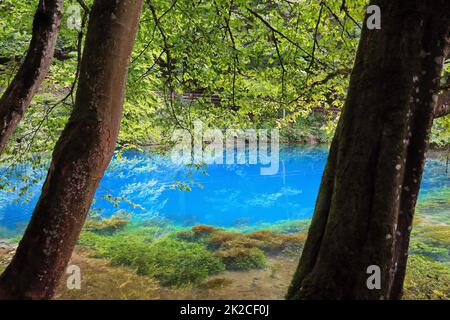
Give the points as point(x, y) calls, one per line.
point(109, 225)
point(273, 243)
point(204, 230)
point(134, 255)
point(283, 226)
point(229, 239)
point(436, 234)
point(431, 233)
point(433, 207)
point(432, 241)
point(101, 281)
point(145, 233)
point(238, 251)
point(426, 279)
point(198, 233)
point(177, 256)
point(240, 258)
point(171, 261)
point(267, 241)
point(133, 232)
point(216, 283)
point(291, 226)
point(177, 262)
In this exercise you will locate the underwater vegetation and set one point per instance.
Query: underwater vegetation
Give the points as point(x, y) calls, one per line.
point(172, 262)
point(431, 233)
point(281, 226)
point(241, 258)
point(428, 272)
point(101, 225)
point(431, 241)
point(269, 242)
point(101, 281)
point(426, 279)
point(127, 259)
point(434, 207)
point(244, 251)
point(181, 256)
point(177, 256)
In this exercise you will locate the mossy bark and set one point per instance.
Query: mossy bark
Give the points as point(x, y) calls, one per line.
point(17, 97)
point(365, 207)
point(81, 155)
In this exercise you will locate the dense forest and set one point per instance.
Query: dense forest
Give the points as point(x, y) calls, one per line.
point(357, 95)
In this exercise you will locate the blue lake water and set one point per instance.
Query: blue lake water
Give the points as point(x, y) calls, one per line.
point(229, 195)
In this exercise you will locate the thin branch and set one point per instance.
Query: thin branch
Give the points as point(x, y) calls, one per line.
point(283, 69)
point(325, 80)
point(315, 43)
point(345, 9)
point(268, 25)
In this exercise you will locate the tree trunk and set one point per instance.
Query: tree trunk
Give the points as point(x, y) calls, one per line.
point(365, 207)
point(81, 155)
point(18, 95)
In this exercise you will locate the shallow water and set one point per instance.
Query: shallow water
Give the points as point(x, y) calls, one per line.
point(225, 195)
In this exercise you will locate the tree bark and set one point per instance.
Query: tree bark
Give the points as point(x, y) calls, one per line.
point(20, 92)
point(81, 155)
point(365, 207)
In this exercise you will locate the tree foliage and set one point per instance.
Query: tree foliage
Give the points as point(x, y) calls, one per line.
point(229, 63)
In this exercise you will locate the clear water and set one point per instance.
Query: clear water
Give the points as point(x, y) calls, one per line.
point(231, 195)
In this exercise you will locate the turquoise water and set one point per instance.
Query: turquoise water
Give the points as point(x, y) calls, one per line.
point(224, 195)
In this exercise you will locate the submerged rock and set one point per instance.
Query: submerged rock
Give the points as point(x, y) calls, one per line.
point(7, 250)
point(5, 245)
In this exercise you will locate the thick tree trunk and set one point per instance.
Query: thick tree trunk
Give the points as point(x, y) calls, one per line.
point(365, 207)
point(80, 156)
point(20, 92)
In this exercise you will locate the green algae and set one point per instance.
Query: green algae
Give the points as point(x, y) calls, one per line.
point(267, 241)
point(426, 279)
point(109, 225)
point(282, 226)
point(434, 206)
point(172, 262)
point(241, 258)
point(175, 256)
point(244, 251)
point(247, 248)
point(431, 233)
point(178, 256)
point(432, 241)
